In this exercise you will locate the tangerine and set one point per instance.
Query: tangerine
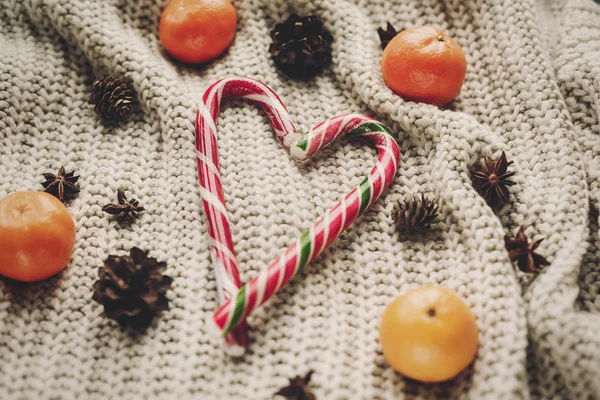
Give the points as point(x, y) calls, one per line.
point(196, 31)
point(424, 64)
point(428, 334)
point(37, 236)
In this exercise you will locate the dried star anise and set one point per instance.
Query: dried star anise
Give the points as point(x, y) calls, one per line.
point(298, 388)
point(62, 185)
point(492, 182)
point(385, 35)
point(520, 250)
point(126, 210)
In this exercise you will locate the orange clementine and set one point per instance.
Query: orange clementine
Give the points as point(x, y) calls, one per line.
point(424, 64)
point(428, 334)
point(37, 236)
point(196, 31)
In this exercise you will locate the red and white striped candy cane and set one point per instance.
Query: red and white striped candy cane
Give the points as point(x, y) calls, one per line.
point(238, 302)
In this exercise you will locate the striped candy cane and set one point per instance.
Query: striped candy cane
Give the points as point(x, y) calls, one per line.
point(238, 302)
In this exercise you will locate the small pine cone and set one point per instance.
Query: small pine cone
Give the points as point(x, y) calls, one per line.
point(301, 46)
point(113, 98)
point(132, 288)
point(415, 214)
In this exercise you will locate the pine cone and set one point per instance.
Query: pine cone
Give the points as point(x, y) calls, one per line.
point(132, 288)
point(113, 98)
point(415, 214)
point(301, 46)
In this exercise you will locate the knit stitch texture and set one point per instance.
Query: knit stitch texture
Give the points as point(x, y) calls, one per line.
point(532, 89)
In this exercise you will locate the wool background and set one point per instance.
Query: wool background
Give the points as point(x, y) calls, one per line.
point(532, 89)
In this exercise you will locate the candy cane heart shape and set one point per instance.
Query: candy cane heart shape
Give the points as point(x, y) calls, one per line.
point(238, 302)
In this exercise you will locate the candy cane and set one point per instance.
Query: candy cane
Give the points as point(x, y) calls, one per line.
point(238, 302)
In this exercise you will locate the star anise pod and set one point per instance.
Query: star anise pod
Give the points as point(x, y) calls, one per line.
point(492, 182)
point(126, 210)
point(62, 185)
point(298, 388)
point(385, 35)
point(520, 250)
point(415, 214)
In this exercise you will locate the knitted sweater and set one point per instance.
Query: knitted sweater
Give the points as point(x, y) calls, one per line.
point(532, 89)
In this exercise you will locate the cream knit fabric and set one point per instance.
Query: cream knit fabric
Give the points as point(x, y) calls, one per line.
point(532, 89)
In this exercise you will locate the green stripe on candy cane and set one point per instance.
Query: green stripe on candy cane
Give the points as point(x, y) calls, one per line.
point(365, 195)
point(306, 242)
point(372, 127)
point(240, 304)
point(302, 141)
